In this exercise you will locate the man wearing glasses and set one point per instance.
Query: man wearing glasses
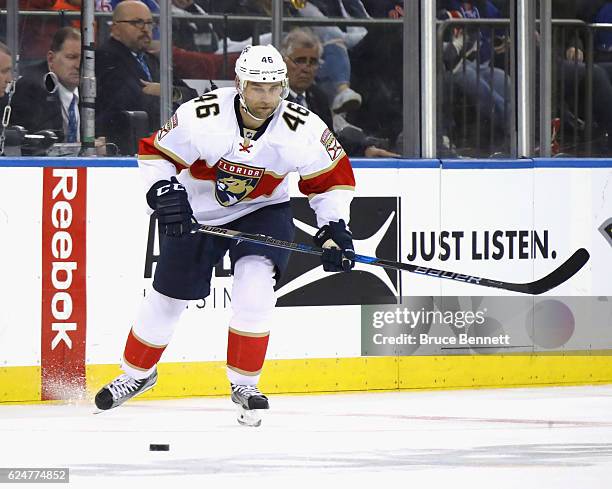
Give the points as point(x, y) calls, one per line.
point(302, 51)
point(128, 76)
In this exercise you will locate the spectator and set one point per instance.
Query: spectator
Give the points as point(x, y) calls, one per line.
point(468, 58)
point(47, 96)
point(572, 68)
point(192, 42)
point(128, 76)
point(186, 34)
point(377, 73)
point(6, 77)
point(190, 34)
point(236, 35)
point(334, 78)
point(302, 51)
point(347, 9)
point(241, 32)
point(6, 71)
point(599, 11)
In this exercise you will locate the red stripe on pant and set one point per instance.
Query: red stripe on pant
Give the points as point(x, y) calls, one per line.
point(246, 353)
point(140, 354)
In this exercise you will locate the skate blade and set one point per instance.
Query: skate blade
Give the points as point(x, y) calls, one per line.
point(97, 410)
point(249, 417)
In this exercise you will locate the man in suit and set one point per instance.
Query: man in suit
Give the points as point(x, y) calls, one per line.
point(6, 75)
point(47, 96)
point(302, 50)
point(128, 76)
point(6, 68)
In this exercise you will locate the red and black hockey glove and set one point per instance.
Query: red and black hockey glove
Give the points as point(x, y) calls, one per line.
point(337, 243)
point(168, 198)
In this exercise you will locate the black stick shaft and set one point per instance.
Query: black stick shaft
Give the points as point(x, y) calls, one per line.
point(561, 274)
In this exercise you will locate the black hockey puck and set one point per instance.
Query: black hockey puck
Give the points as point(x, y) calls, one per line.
point(159, 448)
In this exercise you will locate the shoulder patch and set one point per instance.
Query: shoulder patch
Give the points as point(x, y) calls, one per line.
point(171, 124)
point(331, 144)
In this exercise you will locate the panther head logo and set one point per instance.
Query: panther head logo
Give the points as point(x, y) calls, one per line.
point(235, 181)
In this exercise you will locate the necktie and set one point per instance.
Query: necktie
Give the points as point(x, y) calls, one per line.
point(143, 64)
point(300, 99)
point(71, 137)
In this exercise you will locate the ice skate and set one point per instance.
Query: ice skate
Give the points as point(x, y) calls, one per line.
point(121, 389)
point(250, 400)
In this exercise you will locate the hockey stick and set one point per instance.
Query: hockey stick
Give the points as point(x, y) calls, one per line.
point(555, 278)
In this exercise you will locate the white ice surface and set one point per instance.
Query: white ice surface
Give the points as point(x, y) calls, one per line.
point(553, 438)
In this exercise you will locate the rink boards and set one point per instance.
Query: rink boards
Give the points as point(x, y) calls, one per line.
point(78, 251)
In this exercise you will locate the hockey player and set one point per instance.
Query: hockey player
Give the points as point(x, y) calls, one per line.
point(223, 159)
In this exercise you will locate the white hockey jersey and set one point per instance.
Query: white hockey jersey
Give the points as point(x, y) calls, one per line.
point(229, 171)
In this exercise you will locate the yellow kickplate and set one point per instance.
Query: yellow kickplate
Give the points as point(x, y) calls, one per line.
point(22, 384)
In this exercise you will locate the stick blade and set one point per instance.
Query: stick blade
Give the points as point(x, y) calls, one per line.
point(562, 274)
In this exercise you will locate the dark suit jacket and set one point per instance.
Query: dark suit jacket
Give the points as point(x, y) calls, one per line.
point(33, 107)
point(118, 76)
point(317, 103)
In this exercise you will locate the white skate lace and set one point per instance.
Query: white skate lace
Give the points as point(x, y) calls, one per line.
point(247, 390)
point(122, 386)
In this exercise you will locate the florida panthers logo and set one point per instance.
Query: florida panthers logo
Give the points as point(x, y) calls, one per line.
point(235, 181)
